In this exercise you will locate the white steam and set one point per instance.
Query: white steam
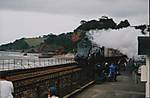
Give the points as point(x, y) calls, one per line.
point(124, 40)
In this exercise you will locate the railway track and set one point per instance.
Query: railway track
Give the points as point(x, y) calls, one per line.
point(17, 75)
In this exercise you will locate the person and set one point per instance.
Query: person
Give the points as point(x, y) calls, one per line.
point(106, 68)
point(99, 69)
point(112, 72)
point(52, 92)
point(6, 87)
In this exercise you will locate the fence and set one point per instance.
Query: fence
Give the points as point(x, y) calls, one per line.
point(11, 64)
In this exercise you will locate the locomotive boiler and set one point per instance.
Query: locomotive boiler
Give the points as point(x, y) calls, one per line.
point(89, 52)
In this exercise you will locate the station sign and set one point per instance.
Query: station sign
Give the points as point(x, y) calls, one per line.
point(143, 45)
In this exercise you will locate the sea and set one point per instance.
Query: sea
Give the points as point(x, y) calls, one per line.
point(17, 55)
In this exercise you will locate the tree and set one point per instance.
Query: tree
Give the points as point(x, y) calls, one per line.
point(103, 23)
point(142, 28)
point(123, 24)
point(50, 39)
point(82, 22)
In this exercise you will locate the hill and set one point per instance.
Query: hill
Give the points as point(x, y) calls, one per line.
point(23, 44)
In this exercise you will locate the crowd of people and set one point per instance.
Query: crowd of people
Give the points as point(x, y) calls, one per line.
point(108, 71)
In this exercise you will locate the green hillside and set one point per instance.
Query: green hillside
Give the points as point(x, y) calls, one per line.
point(33, 42)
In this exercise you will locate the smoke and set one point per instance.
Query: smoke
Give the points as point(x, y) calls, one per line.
point(124, 39)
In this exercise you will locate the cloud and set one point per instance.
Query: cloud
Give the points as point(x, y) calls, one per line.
point(18, 24)
point(24, 18)
point(121, 8)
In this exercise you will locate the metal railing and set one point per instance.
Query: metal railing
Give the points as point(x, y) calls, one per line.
point(11, 64)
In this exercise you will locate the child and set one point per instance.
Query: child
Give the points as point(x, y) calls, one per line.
point(52, 93)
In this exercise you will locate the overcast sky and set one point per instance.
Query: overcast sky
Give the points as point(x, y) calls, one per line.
point(31, 18)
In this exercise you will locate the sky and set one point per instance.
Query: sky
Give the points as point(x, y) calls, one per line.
point(32, 18)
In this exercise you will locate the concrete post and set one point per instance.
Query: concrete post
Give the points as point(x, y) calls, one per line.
point(148, 77)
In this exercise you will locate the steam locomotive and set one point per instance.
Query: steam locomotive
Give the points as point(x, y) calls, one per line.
point(89, 52)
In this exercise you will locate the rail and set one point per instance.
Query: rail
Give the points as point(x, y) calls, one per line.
point(11, 64)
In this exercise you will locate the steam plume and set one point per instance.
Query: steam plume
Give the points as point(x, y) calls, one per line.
point(124, 39)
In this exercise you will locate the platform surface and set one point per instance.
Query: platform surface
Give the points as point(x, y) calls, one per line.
point(125, 87)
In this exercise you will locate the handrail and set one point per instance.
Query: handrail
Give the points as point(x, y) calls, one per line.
point(11, 64)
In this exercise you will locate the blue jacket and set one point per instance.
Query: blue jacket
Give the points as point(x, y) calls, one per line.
point(112, 69)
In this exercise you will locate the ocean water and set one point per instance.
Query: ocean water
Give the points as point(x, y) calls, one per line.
point(17, 55)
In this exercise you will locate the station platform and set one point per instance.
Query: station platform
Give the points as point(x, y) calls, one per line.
point(124, 87)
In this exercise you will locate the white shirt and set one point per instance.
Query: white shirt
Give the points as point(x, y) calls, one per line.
point(6, 89)
point(53, 96)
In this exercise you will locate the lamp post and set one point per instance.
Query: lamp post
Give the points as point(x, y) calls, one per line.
point(148, 67)
point(148, 76)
